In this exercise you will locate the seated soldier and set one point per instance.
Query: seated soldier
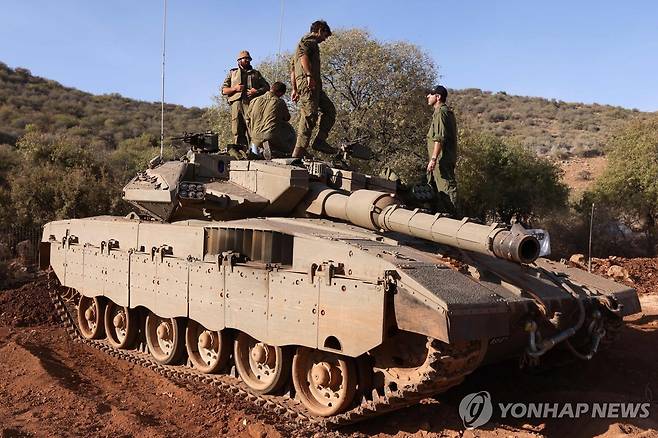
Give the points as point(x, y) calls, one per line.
point(268, 122)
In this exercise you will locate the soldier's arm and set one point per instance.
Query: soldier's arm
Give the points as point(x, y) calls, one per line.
point(264, 85)
point(293, 82)
point(438, 140)
point(227, 90)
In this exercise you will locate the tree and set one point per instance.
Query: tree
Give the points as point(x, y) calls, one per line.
point(629, 185)
point(499, 181)
point(379, 90)
point(59, 177)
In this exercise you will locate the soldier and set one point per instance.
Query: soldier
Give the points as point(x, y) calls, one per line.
point(268, 122)
point(241, 85)
point(307, 88)
point(442, 149)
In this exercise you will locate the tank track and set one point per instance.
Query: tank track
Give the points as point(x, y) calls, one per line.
point(443, 369)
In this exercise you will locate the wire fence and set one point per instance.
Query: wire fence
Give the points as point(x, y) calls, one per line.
point(20, 243)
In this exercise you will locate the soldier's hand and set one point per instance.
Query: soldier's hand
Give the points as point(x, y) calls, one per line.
point(294, 96)
point(238, 87)
point(311, 82)
point(430, 166)
point(252, 92)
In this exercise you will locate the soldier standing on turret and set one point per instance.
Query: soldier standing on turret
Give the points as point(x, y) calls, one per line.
point(242, 84)
point(307, 88)
point(442, 149)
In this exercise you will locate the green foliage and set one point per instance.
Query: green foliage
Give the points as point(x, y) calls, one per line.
point(629, 185)
point(499, 181)
point(379, 92)
point(50, 192)
point(58, 177)
point(132, 156)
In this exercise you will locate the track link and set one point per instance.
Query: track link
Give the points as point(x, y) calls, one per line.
point(445, 367)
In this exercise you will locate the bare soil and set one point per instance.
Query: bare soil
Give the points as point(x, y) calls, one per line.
point(580, 173)
point(50, 386)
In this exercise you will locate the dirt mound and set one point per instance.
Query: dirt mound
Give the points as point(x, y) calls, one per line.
point(639, 273)
point(28, 305)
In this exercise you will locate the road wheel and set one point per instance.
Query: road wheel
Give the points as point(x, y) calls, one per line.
point(208, 350)
point(90, 317)
point(325, 382)
point(264, 368)
point(121, 325)
point(165, 339)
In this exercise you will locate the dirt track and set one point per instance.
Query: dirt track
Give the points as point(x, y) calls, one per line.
point(50, 386)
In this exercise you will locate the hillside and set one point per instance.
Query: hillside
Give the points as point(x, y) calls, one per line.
point(103, 120)
point(553, 128)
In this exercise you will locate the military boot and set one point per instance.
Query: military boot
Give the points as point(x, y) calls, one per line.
point(321, 145)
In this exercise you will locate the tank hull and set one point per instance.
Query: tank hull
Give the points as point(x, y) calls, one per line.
point(280, 280)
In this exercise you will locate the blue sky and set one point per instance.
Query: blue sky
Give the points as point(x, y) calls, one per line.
point(576, 51)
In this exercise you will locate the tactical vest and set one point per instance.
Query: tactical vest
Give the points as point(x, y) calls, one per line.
point(236, 79)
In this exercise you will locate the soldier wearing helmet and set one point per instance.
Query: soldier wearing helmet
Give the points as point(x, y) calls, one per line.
point(241, 85)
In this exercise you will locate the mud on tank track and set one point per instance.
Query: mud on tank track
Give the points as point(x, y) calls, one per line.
point(443, 369)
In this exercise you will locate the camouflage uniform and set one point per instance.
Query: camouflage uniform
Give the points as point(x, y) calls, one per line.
point(239, 102)
point(311, 101)
point(444, 130)
point(268, 121)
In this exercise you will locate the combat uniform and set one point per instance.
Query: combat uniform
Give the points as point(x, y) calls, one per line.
point(239, 102)
point(311, 101)
point(268, 121)
point(444, 130)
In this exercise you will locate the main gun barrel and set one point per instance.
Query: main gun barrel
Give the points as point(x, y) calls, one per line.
point(381, 211)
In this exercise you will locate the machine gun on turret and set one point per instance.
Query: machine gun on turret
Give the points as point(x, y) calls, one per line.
point(200, 141)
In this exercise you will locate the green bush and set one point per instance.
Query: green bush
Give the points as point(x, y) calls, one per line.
point(499, 181)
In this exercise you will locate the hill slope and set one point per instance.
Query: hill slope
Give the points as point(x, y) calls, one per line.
point(105, 120)
point(551, 127)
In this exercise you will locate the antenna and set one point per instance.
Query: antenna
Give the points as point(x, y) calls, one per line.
point(278, 53)
point(164, 34)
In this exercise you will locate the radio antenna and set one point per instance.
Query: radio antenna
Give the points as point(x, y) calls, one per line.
point(164, 34)
point(278, 54)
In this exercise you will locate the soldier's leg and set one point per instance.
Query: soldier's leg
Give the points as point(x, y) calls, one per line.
point(328, 116)
point(235, 115)
point(308, 117)
point(241, 137)
point(446, 185)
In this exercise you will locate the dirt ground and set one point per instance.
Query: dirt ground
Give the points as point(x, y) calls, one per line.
point(580, 173)
point(50, 386)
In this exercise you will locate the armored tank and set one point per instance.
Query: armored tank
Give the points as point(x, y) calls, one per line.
point(313, 288)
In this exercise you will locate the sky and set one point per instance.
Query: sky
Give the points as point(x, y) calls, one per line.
point(577, 51)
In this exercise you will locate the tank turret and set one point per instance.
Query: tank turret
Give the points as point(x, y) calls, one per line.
point(206, 184)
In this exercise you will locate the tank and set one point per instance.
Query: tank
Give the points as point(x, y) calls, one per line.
point(315, 286)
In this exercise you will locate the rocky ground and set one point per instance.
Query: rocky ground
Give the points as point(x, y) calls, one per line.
point(50, 386)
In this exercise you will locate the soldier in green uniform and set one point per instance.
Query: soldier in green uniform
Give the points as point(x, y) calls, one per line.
point(268, 122)
point(442, 149)
point(241, 85)
point(307, 89)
